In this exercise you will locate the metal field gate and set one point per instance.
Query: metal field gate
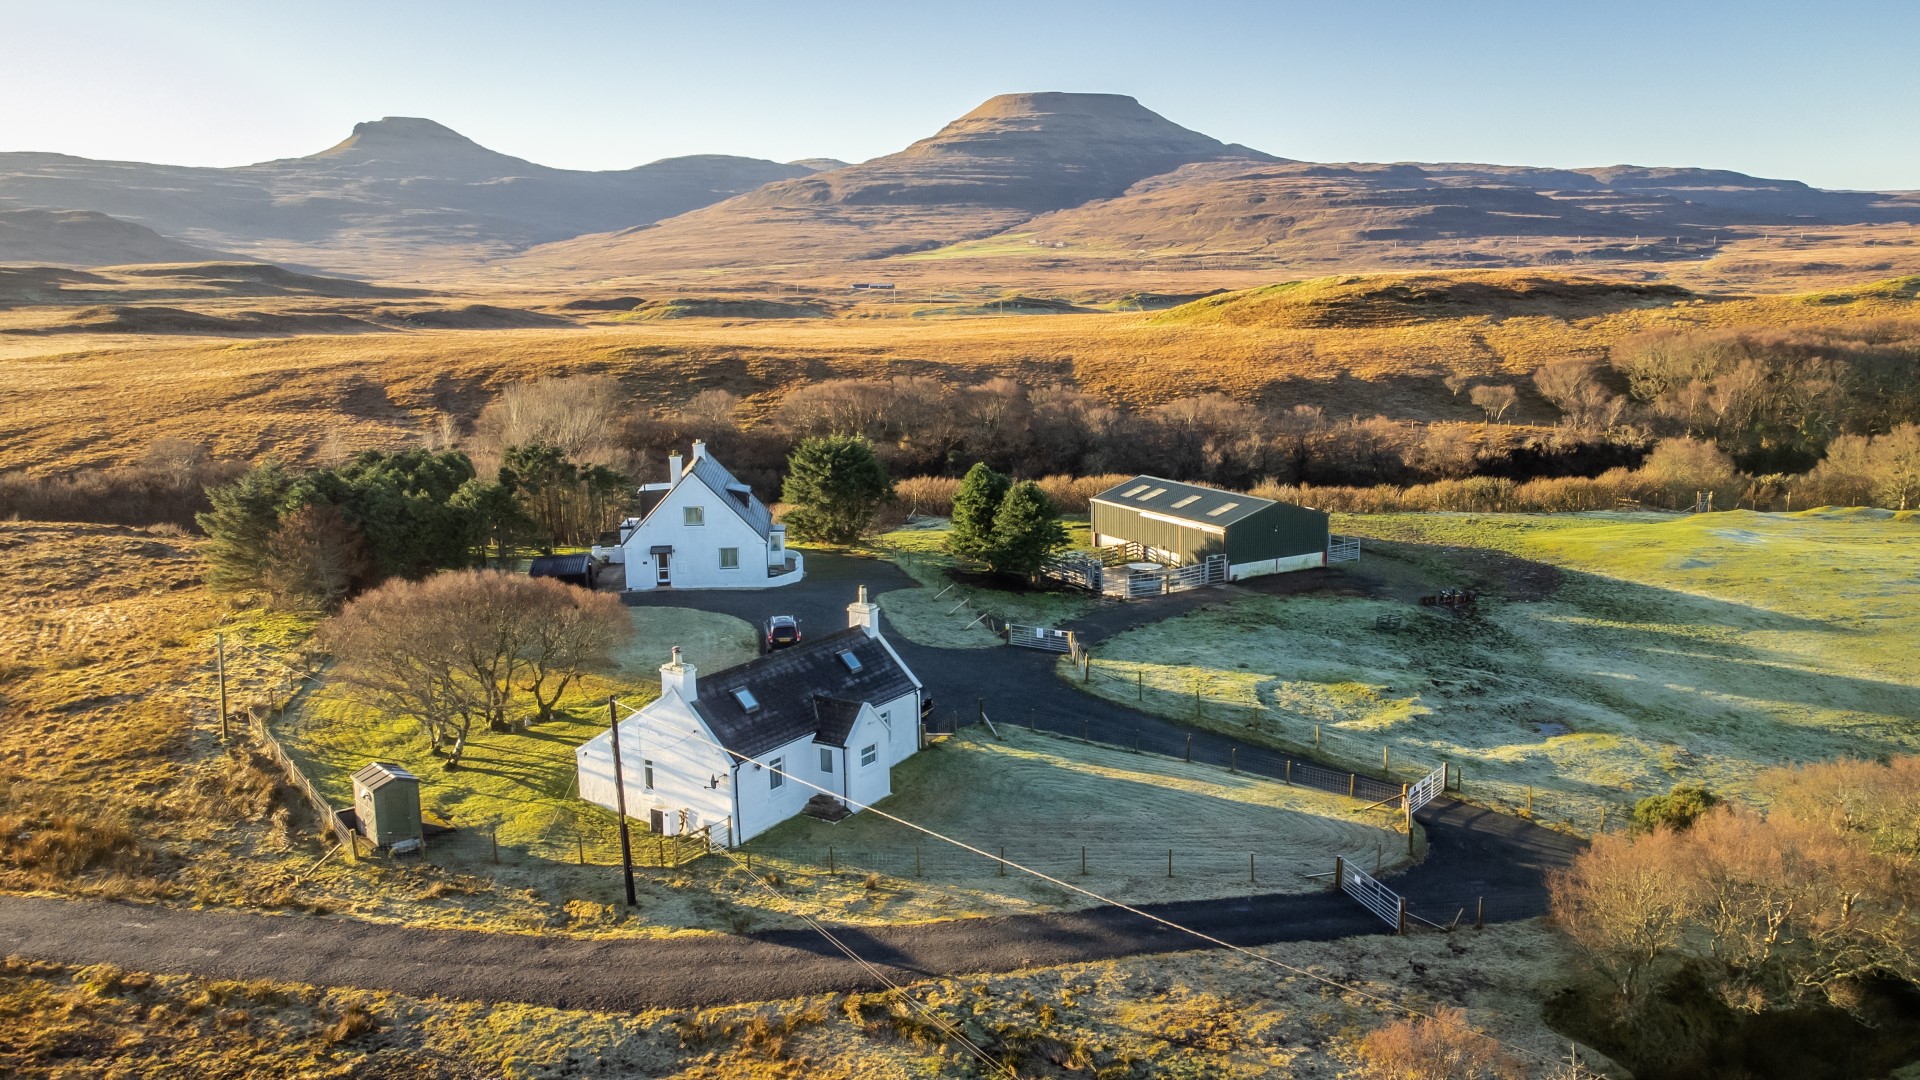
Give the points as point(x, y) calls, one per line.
point(1373, 896)
point(1430, 785)
point(1040, 637)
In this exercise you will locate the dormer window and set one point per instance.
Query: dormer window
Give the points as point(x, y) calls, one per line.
point(746, 700)
point(852, 661)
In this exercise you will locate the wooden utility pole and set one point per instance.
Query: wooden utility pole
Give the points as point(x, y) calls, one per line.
point(620, 801)
point(220, 664)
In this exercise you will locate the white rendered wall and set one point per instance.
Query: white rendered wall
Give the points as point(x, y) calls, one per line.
point(695, 562)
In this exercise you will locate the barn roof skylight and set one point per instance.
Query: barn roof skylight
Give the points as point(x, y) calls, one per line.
point(1221, 509)
point(1188, 501)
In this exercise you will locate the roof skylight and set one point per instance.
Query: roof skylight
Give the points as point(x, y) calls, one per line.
point(746, 699)
point(1221, 509)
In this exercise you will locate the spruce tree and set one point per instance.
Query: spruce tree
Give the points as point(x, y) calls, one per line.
point(834, 484)
point(1026, 531)
point(242, 520)
point(974, 506)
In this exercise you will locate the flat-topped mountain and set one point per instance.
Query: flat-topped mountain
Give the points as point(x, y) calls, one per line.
point(1015, 156)
point(396, 194)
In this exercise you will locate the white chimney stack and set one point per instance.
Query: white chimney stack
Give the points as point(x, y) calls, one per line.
point(863, 614)
point(699, 449)
point(673, 468)
point(678, 676)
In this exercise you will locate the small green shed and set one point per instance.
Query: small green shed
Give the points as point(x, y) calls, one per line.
point(1180, 524)
point(386, 798)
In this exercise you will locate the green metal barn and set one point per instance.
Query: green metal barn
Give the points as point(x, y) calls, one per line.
point(1181, 524)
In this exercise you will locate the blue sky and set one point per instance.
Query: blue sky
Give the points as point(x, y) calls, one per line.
point(1774, 89)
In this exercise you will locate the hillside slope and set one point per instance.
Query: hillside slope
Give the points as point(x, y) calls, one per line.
point(84, 238)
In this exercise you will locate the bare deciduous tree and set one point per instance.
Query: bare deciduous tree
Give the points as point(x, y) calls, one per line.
point(1494, 400)
point(446, 651)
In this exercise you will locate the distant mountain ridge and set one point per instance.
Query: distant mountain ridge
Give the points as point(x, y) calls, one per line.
point(395, 192)
point(1050, 175)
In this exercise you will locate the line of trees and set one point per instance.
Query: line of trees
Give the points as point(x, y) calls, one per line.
point(309, 540)
point(1809, 904)
point(466, 647)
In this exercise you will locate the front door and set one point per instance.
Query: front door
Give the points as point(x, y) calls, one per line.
point(660, 575)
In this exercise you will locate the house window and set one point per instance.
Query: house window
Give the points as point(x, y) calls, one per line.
point(648, 770)
point(729, 558)
point(776, 774)
point(869, 754)
point(693, 515)
point(826, 760)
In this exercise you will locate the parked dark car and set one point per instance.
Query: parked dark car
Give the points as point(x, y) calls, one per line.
point(782, 631)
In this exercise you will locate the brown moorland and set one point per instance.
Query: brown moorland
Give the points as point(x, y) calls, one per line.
point(1355, 344)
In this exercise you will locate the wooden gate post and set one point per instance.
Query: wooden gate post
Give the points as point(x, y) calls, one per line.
point(1339, 871)
point(1401, 928)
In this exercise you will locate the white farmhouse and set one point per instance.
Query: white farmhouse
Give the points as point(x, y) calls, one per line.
point(746, 748)
point(706, 531)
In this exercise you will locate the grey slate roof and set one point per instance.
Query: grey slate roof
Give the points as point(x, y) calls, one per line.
point(734, 493)
point(1159, 496)
point(379, 774)
point(789, 686)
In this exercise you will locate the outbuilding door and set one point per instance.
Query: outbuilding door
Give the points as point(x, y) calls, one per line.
point(657, 821)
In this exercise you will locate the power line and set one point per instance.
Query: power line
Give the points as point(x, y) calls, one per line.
point(945, 1027)
point(1129, 908)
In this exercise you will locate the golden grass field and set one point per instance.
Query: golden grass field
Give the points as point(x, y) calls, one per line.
point(1350, 344)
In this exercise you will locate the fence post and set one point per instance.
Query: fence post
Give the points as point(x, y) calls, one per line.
point(1196, 697)
point(1401, 929)
point(1289, 770)
point(1003, 860)
point(1086, 731)
point(1083, 861)
point(916, 860)
point(1140, 685)
point(830, 867)
point(1316, 738)
point(1233, 759)
point(1529, 800)
point(1169, 862)
point(493, 838)
point(1480, 913)
point(1339, 871)
point(1351, 781)
point(1189, 746)
point(1136, 740)
point(1385, 769)
point(1603, 817)
point(1250, 878)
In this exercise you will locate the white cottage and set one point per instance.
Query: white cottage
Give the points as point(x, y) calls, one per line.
point(730, 750)
point(706, 531)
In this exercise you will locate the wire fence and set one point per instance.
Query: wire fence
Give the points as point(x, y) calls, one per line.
point(1136, 861)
